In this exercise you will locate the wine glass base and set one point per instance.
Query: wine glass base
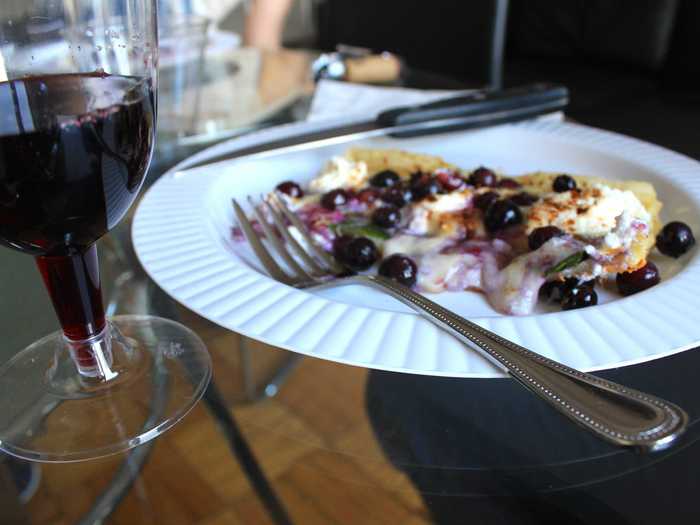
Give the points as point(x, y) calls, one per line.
point(50, 413)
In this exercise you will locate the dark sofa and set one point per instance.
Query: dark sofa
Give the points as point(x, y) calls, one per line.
point(632, 66)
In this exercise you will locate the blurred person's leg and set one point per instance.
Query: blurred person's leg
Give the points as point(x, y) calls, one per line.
point(265, 22)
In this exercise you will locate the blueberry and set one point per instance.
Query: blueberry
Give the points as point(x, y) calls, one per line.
point(559, 291)
point(340, 245)
point(563, 183)
point(570, 283)
point(386, 217)
point(541, 235)
point(417, 177)
point(484, 200)
point(450, 180)
point(524, 198)
point(397, 196)
point(334, 198)
point(482, 177)
point(432, 187)
point(675, 239)
point(502, 214)
point(385, 179)
point(368, 195)
point(290, 188)
point(400, 268)
point(552, 291)
point(360, 253)
point(579, 297)
point(629, 283)
point(422, 185)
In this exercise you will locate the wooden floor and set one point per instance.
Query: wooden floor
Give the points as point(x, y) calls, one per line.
point(313, 441)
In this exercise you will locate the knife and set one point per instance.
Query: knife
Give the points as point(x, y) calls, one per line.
point(473, 110)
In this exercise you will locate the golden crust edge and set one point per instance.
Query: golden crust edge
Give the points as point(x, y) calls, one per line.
point(402, 162)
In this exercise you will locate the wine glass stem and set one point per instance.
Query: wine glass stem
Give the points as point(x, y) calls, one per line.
point(73, 283)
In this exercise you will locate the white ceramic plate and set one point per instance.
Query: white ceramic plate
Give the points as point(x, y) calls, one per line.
point(182, 236)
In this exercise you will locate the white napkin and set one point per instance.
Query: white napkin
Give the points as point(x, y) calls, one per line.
point(336, 100)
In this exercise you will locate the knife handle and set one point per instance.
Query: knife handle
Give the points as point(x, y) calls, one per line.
point(477, 109)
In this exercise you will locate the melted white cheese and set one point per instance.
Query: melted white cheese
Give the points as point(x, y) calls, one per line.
point(296, 203)
point(436, 215)
point(594, 213)
point(514, 289)
point(413, 246)
point(454, 272)
point(419, 222)
point(448, 202)
point(340, 172)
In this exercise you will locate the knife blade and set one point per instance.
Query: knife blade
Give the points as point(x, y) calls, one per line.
point(473, 110)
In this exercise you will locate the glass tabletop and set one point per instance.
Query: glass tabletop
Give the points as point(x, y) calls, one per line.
point(282, 438)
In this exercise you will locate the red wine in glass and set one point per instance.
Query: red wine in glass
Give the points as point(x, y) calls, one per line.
point(74, 149)
point(77, 129)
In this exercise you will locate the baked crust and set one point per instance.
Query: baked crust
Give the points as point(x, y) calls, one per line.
point(401, 162)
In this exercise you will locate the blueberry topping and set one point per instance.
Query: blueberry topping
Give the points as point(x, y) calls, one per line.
point(482, 177)
point(340, 244)
point(570, 293)
point(675, 239)
point(400, 268)
point(484, 200)
point(386, 217)
point(629, 283)
point(571, 283)
point(450, 180)
point(334, 198)
point(397, 196)
point(552, 291)
point(578, 297)
point(385, 179)
point(502, 214)
point(368, 196)
point(290, 188)
point(563, 183)
point(524, 198)
point(422, 185)
point(417, 177)
point(541, 235)
point(359, 253)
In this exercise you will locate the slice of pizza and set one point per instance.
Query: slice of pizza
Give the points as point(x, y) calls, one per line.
point(478, 230)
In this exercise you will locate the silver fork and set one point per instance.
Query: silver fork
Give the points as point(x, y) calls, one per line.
point(618, 414)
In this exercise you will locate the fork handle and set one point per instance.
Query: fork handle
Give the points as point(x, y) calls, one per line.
point(618, 414)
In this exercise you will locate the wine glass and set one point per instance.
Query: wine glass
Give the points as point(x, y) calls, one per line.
point(77, 129)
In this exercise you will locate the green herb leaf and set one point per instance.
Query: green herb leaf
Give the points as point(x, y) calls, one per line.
point(357, 229)
point(568, 262)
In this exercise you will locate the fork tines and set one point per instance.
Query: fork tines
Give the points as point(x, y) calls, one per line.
point(279, 225)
